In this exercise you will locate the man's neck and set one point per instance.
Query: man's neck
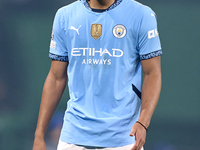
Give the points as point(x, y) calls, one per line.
point(100, 4)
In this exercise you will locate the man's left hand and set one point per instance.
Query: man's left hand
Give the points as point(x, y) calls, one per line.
point(140, 136)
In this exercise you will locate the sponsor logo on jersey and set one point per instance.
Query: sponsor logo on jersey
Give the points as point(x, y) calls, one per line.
point(91, 52)
point(119, 31)
point(94, 52)
point(96, 31)
point(152, 33)
point(96, 62)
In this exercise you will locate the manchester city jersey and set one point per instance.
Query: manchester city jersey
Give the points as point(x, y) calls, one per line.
point(104, 51)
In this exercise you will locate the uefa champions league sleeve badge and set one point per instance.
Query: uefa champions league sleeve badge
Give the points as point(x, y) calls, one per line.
point(119, 31)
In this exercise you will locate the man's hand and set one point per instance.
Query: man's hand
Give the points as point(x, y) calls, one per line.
point(39, 144)
point(140, 136)
point(53, 89)
point(150, 94)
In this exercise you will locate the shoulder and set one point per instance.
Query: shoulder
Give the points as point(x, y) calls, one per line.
point(137, 5)
point(71, 7)
point(65, 12)
point(140, 8)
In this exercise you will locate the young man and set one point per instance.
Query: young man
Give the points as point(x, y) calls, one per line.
point(102, 46)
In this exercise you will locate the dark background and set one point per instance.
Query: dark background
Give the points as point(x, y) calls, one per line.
point(25, 30)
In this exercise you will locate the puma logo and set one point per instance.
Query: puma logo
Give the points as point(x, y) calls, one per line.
point(73, 28)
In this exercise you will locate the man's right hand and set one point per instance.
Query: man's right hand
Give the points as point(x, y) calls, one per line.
point(39, 144)
point(52, 92)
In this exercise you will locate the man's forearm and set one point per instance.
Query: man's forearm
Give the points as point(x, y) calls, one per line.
point(52, 92)
point(150, 94)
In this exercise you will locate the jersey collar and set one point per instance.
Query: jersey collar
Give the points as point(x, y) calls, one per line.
point(115, 4)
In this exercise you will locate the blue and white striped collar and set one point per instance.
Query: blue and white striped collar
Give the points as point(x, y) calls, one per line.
point(115, 4)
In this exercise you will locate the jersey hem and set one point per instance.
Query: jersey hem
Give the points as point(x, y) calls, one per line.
point(97, 145)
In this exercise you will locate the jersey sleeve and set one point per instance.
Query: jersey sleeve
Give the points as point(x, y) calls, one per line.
point(58, 49)
point(148, 39)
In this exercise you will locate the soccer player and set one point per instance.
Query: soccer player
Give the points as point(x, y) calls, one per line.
point(101, 47)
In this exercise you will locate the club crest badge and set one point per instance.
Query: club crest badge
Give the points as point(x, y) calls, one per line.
point(119, 31)
point(96, 31)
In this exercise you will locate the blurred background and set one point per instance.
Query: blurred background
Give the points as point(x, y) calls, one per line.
point(25, 31)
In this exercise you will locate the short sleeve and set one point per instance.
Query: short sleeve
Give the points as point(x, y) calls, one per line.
point(148, 38)
point(58, 50)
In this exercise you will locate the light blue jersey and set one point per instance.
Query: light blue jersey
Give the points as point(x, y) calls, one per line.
point(104, 50)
